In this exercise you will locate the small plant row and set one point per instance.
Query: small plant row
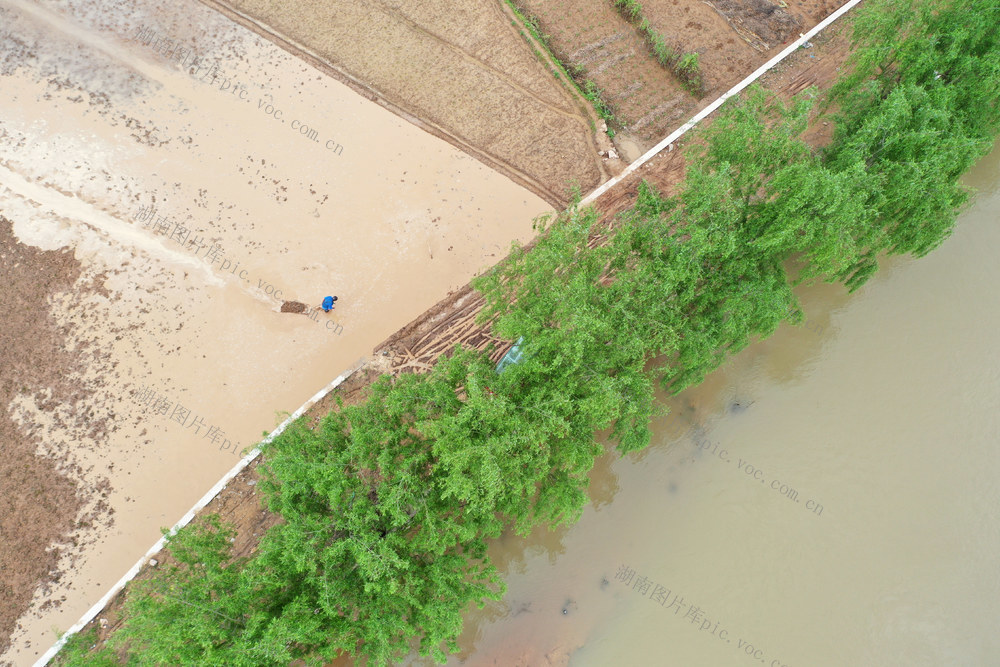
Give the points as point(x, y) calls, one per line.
point(595, 95)
point(684, 65)
point(573, 75)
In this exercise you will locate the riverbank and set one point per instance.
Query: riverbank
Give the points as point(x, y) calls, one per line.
point(420, 339)
point(883, 413)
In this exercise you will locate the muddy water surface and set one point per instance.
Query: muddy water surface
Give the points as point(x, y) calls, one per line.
point(829, 497)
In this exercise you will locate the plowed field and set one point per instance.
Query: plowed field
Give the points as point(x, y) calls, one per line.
point(731, 37)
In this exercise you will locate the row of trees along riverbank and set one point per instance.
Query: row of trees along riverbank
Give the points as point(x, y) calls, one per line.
point(387, 507)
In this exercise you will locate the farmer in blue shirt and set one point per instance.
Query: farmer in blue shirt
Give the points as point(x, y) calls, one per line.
point(328, 303)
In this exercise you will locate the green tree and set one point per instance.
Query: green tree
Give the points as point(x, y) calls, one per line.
point(195, 609)
point(82, 650)
point(919, 106)
point(377, 546)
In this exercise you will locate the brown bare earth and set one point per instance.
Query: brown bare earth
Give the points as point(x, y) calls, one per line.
point(595, 41)
point(39, 503)
point(415, 347)
point(731, 37)
point(460, 70)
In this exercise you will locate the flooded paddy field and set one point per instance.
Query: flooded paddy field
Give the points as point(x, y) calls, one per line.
point(168, 179)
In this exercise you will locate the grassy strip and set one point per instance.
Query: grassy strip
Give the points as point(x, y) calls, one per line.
point(574, 76)
point(684, 65)
point(596, 97)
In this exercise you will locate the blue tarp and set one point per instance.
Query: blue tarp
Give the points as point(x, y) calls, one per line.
point(513, 355)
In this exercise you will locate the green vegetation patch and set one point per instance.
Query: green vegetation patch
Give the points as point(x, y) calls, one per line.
point(684, 65)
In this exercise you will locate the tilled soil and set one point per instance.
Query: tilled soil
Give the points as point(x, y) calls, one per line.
point(813, 66)
point(595, 41)
point(39, 503)
point(731, 38)
point(459, 70)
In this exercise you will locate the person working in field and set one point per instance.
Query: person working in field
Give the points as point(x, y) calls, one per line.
point(328, 303)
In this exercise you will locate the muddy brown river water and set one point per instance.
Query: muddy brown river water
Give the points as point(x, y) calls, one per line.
point(828, 497)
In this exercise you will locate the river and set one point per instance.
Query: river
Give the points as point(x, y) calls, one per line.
point(829, 497)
